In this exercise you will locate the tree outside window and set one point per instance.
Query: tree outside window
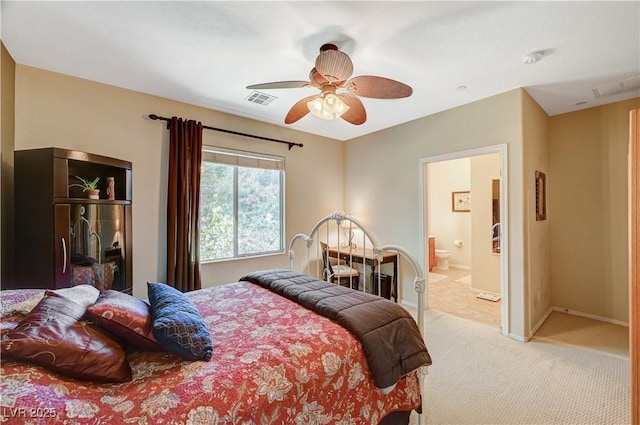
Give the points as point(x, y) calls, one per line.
point(241, 207)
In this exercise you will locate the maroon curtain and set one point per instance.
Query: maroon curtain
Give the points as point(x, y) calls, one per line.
point(183, 201)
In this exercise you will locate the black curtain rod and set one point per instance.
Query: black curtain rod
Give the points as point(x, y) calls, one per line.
point(237, 133)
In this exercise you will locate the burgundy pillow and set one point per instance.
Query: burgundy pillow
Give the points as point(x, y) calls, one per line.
point(54, 336)
point(126, 317)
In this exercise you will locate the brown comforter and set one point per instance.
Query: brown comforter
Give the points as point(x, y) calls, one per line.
point(388, 333)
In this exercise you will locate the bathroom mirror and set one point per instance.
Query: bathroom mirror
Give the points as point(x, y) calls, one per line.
point(495, 225)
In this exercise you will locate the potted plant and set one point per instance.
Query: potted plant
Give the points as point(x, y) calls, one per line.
point(88, 186)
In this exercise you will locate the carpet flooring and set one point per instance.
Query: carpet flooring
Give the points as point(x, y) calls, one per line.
point(479, 376)
point(567, 329)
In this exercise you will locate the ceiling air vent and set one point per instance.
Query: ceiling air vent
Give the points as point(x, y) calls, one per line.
point(260, 98)
point(618, 87)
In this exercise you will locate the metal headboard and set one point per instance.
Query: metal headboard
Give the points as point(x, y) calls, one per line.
point(419, 282)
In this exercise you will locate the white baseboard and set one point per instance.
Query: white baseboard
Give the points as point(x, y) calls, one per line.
point(540, 323)
point(409, 304)
point(459, 267)
point(518, 337)
point(574, 313)
point(590, 316)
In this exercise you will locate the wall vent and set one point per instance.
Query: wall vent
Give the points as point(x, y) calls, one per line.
point(618, 87)
point(260, 98)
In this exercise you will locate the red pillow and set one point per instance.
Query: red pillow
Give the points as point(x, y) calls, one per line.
point(126, 317)
point(54, 336)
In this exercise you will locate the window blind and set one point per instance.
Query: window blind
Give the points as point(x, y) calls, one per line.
point(242, 158)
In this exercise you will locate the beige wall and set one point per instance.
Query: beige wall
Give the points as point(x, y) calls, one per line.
point(383, 172)
point(588, 210)
point(67, 112)
point(7, 133)
point(444, 177)
point(537, 254)
point(472, 228)
point(485, 265)
point(576, 259)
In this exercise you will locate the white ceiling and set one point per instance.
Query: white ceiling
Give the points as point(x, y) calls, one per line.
point(205, 53)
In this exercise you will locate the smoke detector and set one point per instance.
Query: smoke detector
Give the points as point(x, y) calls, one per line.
point(533, 57)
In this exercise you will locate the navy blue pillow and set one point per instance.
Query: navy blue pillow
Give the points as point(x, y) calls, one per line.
point(177, 324)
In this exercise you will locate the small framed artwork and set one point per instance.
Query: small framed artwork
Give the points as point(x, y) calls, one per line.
point(461, 201)
point(541, 196)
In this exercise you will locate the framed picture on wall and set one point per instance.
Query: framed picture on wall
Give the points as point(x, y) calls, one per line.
point(461, 201)
point(541, 196)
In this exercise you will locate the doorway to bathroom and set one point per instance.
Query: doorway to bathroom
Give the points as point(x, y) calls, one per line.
point(463, 212)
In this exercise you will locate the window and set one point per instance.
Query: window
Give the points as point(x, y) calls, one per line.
point(241, 204)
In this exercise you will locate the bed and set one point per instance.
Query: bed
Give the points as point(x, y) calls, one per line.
point(283, 351)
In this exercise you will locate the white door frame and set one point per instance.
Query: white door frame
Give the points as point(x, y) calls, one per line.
point(504, 219)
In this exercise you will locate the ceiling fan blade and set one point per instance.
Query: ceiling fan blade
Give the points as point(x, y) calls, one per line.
point(356, 114)
point(299, 110)
point(378, 87)
point(334, 65)
point(280, 85)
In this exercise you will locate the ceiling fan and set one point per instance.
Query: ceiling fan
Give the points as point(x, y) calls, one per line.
point(331, 72)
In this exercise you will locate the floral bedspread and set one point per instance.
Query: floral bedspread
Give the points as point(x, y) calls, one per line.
point(274, 362)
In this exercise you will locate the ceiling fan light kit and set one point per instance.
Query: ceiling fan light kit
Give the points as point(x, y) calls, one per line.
point(327, 105)
point(331, 72)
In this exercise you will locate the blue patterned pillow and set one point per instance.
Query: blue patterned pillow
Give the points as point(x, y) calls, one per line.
point(177, 324)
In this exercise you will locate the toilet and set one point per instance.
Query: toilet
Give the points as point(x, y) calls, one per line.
point(442, 258)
